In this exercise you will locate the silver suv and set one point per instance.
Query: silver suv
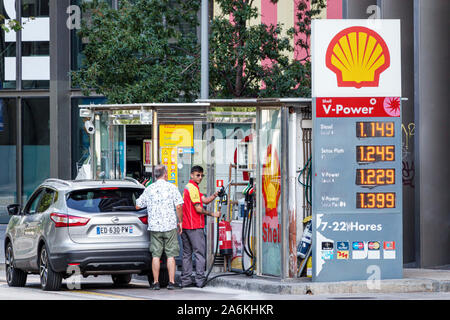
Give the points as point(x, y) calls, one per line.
point(87, 226)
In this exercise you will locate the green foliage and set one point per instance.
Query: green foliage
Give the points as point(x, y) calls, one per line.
point(12, 24)
point(303, 26)
point(146, 51)
point(237, 49)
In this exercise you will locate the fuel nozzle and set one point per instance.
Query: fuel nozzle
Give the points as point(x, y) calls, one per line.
point(249, 194)
point(221, 192)
point(222, 195)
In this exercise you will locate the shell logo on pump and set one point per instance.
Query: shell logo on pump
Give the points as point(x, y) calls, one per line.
point(358, 56)
point(271, 182)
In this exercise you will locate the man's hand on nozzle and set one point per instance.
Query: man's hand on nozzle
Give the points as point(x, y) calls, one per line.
point(215, 214)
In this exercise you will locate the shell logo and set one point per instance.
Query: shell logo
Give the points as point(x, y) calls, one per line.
point(271, 182)
point(357, 55)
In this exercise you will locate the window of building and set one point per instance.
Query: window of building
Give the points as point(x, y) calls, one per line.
point(7, 48)
point(36, 143)
point(8, 133)
point(35, 8)
point(80, 138)
point(77, 44)
point(35, 44)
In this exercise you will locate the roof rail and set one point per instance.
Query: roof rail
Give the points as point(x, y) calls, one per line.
point(132, 180)
point(58, 181)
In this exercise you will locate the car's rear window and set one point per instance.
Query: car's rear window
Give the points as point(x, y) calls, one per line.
point(103, 199)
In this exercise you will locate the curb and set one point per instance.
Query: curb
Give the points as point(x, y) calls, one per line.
point(305, 286)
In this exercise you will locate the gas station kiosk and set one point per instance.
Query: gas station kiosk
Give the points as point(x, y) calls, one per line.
point(308, 186)
point(244, 147)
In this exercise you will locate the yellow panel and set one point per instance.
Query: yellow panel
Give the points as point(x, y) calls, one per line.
point(169, 158)
point(176, 135)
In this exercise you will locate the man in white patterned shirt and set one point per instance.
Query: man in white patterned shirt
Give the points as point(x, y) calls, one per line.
point(164, 205)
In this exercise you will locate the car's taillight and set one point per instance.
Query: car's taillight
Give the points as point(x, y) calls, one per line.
point(64, 220)
point(144, 219)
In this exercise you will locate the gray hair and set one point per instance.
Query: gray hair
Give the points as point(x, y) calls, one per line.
point(159, 171)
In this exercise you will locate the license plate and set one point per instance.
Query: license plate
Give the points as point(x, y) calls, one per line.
point(115, 230)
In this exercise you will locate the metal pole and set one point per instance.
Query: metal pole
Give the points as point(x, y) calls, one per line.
point(284, 193)
point(292, 156)
point(19, 150)
point(155, 139)
point(204, 87)
point(259, 201)
point(19, 47)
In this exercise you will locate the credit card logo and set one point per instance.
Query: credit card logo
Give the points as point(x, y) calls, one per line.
point(358, 245)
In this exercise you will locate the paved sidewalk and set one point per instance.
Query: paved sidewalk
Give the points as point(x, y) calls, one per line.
point(414, 280)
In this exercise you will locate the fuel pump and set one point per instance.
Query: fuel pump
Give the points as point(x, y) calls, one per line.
point(223, 200)
point(225, 243)
point(250, 203)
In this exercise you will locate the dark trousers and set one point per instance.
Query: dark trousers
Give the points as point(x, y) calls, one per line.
point(193, 243)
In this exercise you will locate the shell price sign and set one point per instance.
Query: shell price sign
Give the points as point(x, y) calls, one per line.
point(357, 150)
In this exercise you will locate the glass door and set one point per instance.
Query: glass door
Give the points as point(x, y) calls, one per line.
point(269, 173)
point(108, 144)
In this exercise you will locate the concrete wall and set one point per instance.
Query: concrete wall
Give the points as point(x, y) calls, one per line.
point(357, 9)
point(403, 10)
point(432, 137)
point(425, 81)
point(60, 113)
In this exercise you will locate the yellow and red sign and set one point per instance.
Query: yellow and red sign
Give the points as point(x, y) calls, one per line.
point(147, 152)
point(271, 190)
point(356, 58)
point(271, 186)
point(357, 55)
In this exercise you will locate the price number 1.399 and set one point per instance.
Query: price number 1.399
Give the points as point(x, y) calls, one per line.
point(374, 200)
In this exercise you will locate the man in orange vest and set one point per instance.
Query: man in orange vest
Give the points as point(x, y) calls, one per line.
point(193, 236)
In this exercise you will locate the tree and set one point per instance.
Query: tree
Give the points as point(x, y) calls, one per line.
point(237, 50)
point(145, 51)
point(11, 25)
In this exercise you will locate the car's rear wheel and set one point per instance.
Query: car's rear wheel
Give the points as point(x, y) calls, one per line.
point(14, 277)
point(50, 280)
point(121, 279)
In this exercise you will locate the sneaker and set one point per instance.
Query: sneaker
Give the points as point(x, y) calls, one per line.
point(155, 286)
point(172, 286)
